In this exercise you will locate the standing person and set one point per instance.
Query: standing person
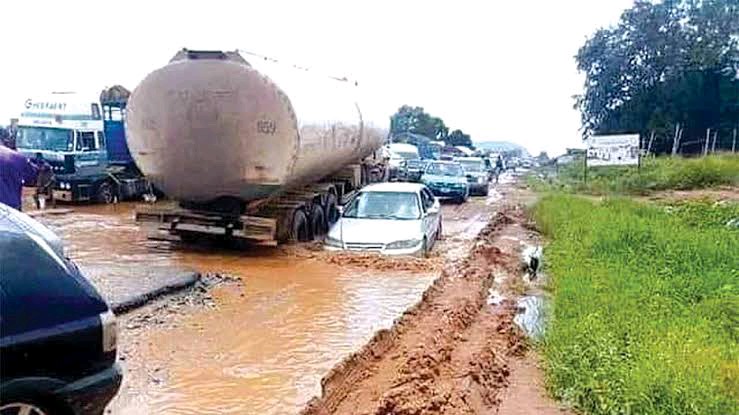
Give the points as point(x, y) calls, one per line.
point(44, 183)
point(498, 168)
point(15, 170)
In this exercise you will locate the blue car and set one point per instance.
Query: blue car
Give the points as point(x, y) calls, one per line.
point(447, 180)
point(57, 334)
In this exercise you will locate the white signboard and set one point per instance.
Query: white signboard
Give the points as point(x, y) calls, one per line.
point(613, 150)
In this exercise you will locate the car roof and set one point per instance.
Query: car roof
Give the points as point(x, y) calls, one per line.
point(443, 162)
point(401, 187)
point(13, 221)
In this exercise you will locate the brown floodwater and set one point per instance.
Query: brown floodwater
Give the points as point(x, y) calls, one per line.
point(265, 345)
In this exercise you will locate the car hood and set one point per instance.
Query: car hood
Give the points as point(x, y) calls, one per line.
point(432, 178)
point(375, 230)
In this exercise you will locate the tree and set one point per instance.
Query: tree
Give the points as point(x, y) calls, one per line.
point(667, 65)
point(458, 138)
point(415, 120)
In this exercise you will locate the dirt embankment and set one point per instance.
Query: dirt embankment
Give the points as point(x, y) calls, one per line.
point(446, 354)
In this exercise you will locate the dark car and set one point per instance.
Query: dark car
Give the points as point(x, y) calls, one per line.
point(446, 180)
point(57, 334)
point(411, 170)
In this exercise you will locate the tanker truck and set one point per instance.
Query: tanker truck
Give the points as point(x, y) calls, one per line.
point(255, 150)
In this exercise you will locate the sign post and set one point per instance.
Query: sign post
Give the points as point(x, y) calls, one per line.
point(612, 150)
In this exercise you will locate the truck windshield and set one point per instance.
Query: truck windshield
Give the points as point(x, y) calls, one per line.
point(44, 138)
point(445, 169)
point(384, 205)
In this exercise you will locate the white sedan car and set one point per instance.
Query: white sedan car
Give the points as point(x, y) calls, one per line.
point(390, 218)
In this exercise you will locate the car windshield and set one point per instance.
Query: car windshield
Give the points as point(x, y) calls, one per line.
point(384, 205)
point(471, 165)
point(42, 138)
point(445, 169)
point(407, 155)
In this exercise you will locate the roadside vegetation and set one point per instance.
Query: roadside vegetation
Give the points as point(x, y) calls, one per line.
point(645, 313)
point(655, 174)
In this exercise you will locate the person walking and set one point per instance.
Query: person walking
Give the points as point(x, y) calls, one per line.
point(498, 168)
point(15, 171)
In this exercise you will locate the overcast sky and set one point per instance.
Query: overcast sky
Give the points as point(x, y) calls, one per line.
point(499, 70)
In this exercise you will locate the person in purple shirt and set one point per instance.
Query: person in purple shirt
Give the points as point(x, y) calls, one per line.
point(15, 170)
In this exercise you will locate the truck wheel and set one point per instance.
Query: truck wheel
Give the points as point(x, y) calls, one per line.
point(300, 231)
point(105, 193)
point(331, 210)
point(318, 221)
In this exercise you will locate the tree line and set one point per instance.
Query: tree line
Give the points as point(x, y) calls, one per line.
point(417, 121)
point(668, 70)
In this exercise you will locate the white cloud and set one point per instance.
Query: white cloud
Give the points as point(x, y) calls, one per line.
point(498, 70)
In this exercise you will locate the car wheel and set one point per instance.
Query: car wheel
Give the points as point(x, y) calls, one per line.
point(24, 408)
point(425, 248)
point(105, 193)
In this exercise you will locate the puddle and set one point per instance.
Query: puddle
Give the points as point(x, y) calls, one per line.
point(531, 316)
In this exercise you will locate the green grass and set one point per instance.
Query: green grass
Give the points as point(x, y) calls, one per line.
point(655, 174)
point(645, 305)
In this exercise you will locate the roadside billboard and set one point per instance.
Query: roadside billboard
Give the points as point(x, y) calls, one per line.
point(613, 150)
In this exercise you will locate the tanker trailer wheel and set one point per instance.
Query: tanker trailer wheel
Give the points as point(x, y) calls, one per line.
point(331, 210)
point(318, 221)
point(105, 193)
point(300, 231)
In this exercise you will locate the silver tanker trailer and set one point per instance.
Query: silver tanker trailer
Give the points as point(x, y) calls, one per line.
point(258, 150)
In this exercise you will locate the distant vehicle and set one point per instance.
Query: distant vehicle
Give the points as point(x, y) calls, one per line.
point(466, 151)
point(400, 153)
point(84, 141)
point(477, 175)
point(57, 334)
point(411, 170)
point(446, 179)
point(389, 218)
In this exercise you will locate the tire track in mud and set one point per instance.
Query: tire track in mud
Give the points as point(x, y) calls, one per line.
point(446, 354)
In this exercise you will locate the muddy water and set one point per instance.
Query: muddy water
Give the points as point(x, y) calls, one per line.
point(265, 346)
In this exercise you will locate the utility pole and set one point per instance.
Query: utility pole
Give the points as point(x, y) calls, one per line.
point(715, 137)
point(676, 139)
point(733, 143)
point(708, 138)
point(651, 140)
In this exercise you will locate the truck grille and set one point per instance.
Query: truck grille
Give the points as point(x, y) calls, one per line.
point(359, 246)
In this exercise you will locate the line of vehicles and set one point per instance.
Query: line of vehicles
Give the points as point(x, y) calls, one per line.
point(253, 150)
point(244, 150)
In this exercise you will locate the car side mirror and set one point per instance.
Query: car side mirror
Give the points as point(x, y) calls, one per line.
point(340, 209)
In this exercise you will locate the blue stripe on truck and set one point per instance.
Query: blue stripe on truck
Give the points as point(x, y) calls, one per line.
point(74, 117)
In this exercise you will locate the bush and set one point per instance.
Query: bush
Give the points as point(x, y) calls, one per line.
point(646, 305)
point(655, 174)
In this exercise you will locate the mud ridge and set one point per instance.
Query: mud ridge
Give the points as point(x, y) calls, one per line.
point(446, 354)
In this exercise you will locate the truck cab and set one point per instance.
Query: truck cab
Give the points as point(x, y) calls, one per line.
point(81, 140)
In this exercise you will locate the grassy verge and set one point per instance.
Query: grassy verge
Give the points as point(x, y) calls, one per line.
point(646, 306)
point(655, 174)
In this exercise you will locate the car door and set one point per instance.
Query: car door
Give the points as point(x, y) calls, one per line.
point(431, 217)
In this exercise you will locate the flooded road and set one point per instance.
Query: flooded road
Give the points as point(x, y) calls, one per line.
point(267, 342)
